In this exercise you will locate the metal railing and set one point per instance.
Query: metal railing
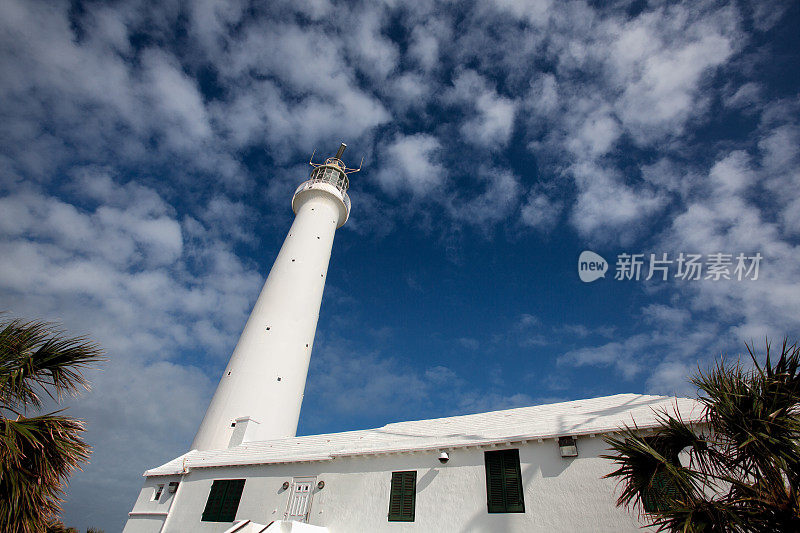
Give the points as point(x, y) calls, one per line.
point(331, 174)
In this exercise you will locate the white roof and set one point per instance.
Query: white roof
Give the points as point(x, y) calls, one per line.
point(579, 417)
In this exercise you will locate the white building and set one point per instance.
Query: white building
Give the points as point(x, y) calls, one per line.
point(528, 469)
point(344, 481)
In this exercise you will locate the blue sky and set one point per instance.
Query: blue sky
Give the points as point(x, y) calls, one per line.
point(149, 152)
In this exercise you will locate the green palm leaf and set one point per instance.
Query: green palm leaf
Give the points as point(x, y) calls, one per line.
point(742, 475)
point(38, 453)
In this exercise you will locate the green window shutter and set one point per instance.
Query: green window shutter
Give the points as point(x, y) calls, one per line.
point(504, 482)
point(515, 502)
point(656, 498)
point(230, 504)
point(495, 495)
point(402, 496)
point(211, 512)
point(223, 500)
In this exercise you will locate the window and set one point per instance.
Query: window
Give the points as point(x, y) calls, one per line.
point(655, 497)
point(503, 482)
point(223, 500)
point(157, 492)
point(403, 496)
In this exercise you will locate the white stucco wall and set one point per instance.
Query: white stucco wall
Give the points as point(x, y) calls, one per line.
point(144, 524)
point(560, 494)
point(148, 515)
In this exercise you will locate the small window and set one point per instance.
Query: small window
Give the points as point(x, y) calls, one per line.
point(504, 482)
point(402, 498)
point(223, 500)
point(157, 492)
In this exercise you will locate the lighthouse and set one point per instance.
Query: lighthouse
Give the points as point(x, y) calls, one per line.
point(261, 390)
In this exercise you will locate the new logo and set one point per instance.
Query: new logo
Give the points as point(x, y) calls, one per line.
point(591, 266)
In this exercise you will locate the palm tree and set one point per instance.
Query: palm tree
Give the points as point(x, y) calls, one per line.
point(737, 471)
point(38, 453)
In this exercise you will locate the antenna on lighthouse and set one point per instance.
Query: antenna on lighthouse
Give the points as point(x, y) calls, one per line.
point(341, 151)
point(336, 161)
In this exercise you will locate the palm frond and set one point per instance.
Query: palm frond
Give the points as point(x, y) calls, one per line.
point(742, 475)
point(37, 455)
point(36, 358)
point(650, 465)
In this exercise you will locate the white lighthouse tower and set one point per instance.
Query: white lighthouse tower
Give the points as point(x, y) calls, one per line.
point(261, 390)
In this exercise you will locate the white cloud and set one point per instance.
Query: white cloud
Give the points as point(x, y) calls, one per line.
point(540, 212)
point(308, 63)
point(790, 217)
point(410, 90)
point(732, 174)
point(375, 55)
point(779, 148)
point(666, 316)
point(262, 112)
point(747, 95)
point(607, 208)
point(660, 60)
point(440, 375)
point(412, 163)
point(727, 220)
point(497, 201)
point(642, 76)
point(767, 13)
point(135, 234)
point(528, 320)
point(493, 123)
point(596, 135)
point(671, 378)
point(543, 95)
point(536, 12)
point(210, 20)
point(625, 357)
point(177, 99)
point(469, 343)
point(424, 46)
point(669, 176)
point(94, 102)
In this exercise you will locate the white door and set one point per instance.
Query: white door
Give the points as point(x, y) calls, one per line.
point(300, 500)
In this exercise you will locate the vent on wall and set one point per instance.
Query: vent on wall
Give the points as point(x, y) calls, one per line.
point(568, 446)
